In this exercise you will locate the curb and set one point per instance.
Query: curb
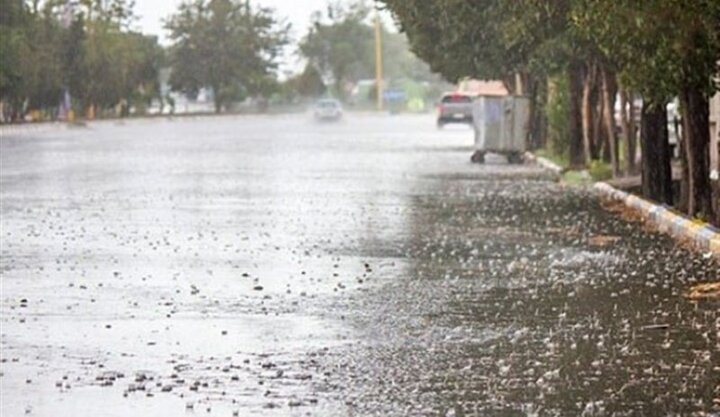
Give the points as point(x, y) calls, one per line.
point(30, 128)
point(704, 236)
point(545, 163)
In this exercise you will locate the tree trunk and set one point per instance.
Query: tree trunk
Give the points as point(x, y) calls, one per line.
point(541, 121)
point(587, 114)
point(575, 128)
point(656, 169)
point(628, 127)
point(532, 139)
point(602, 137)
point(217, 97)
point(634, 130)
point(519, 85)
point(609, 88)
point(537, 93)
point(684, 172)
point(696, 114)
point(509, 84)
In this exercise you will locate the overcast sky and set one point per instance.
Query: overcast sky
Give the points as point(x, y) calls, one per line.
point(152, 12)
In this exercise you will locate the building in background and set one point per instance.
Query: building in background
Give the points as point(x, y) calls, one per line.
point(483, 88)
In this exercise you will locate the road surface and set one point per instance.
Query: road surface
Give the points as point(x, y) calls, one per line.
point(275, 266)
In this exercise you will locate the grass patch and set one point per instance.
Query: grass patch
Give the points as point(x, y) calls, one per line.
point(561, 160)
point(577, 178)
point(600, 171)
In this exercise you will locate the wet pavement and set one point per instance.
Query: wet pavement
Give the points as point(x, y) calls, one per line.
point(274, 266)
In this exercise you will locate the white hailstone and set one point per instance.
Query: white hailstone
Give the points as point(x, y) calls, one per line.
point(552, 375)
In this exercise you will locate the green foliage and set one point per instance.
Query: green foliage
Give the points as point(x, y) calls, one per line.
point(12, 42)
point(73, 51)
point(577, 178)
point(659, 46)
point(656, 45)
point(226, 45)
point(30, 70)
point(86, 50)
point(446, 41)
point(119, 66)
point(340, 45)
point(600, 171)
point(561, 160)
point(401, 62)
point(485, 39)
point(308, 84)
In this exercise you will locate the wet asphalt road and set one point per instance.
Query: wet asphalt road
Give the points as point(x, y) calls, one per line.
point(274, 266)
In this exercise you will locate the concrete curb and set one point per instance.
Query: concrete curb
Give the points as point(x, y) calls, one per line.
point(704, 236)
point(545, 163)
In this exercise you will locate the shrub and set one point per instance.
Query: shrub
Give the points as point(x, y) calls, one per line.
point(600, 171)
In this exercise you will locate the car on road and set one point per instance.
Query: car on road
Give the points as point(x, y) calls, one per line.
point(455, 107)
point(328, 110)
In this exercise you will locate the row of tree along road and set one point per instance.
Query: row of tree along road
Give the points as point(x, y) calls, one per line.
point(84, 58)
point(575, 59)
point(582, 62)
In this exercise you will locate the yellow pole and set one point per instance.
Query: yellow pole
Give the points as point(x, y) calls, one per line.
point(378, 62)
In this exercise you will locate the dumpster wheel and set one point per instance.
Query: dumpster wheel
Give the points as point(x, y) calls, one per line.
point(478, 157)
point(514, 158)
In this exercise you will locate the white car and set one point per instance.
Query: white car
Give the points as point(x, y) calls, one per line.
point(328, 110)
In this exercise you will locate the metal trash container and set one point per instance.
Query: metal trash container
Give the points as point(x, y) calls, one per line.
point(501, 126)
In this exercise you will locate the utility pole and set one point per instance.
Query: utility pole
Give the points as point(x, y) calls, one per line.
point(378, 61)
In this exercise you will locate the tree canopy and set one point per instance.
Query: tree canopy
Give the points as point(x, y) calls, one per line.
point(229, 46)
point(340, 46)
point(657, 49)
point(85, 49)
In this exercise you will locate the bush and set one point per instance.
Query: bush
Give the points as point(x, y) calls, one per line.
point(600, 171)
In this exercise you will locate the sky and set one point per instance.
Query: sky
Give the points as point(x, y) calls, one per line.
point(297, 12)
point(151, 14)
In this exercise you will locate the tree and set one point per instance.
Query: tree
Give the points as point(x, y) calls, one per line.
point(665, 48)
point(514, 41)
point(309, 83)
point(626, 35)
point(403, 63)
point(13, 39)
point(85, 48)
point(656, 168)
point(73, 50)
point(657, 48)
point(42, 63)
point(339, 45)
point(225, 45)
